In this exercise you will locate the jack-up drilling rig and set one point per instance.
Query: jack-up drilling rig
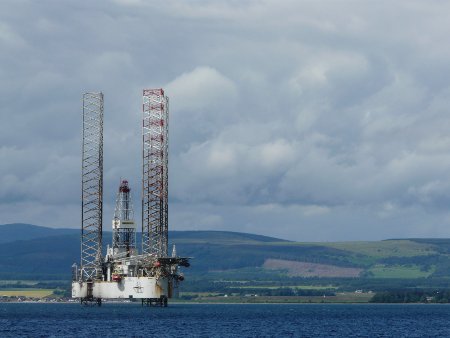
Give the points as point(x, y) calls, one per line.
point(152, 276)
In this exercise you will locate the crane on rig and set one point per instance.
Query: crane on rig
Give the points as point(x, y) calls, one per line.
point(151, 276)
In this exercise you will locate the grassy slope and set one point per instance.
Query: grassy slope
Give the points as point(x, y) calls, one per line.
point(388, 248)
point(390, 259)
point(398, 271)
point(35, 293)
point(229, 255)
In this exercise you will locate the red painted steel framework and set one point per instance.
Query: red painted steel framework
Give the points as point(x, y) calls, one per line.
point(155, 131)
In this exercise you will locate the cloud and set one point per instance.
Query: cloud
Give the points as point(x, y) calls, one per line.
point(293, 119)
point(9, 38)
point(202, 88)
point(204, 101)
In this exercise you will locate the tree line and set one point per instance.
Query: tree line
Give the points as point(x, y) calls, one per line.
point(412, 296)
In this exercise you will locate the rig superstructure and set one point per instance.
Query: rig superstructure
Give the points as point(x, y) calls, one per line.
point(123, 225)
point(151, 276)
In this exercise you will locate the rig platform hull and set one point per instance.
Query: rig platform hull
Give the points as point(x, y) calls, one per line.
point(126, 288)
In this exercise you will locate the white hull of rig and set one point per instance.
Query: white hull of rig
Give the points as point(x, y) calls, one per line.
point(126, 288)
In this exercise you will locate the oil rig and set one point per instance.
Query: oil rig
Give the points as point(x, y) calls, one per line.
point(123, 273)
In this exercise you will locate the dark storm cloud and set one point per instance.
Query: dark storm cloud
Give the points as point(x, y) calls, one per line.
point(298, 119)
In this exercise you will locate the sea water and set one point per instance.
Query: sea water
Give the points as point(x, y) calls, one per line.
point(224, 320)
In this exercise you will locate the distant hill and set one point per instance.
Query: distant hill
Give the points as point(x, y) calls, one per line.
point(220, 237)
point(38, 253)
point(20, 231)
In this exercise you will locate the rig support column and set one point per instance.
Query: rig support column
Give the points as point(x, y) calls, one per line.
point(155, 172)
point(92, 187)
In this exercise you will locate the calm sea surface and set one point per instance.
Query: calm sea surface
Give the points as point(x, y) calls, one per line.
point(227, 320)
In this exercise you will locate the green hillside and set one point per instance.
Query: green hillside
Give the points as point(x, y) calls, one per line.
point(234, 261)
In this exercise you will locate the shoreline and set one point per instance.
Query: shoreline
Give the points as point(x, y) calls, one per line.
point(251, 304)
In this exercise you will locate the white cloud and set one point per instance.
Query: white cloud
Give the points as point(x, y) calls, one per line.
point(200, 89)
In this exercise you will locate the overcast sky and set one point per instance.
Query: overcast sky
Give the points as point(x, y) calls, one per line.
point(304, 120)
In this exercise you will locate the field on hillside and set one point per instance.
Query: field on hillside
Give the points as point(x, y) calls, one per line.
point(304, 269)
point(34, 293)
point(384, 249)
point(410, 271)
